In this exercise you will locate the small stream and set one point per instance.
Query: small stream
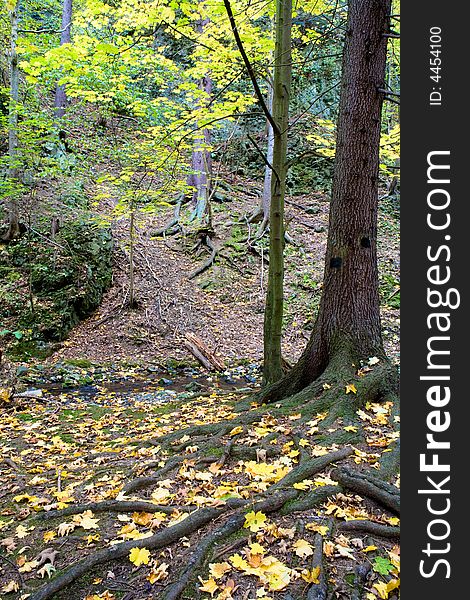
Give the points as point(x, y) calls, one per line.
point(155, 386)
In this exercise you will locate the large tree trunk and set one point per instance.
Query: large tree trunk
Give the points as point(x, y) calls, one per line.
point(65, 38)
point(348, 327)
point(272, 369)
point(13, 169)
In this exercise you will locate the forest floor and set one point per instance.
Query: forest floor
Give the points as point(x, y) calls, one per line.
point(224, 305)
point(129, 474)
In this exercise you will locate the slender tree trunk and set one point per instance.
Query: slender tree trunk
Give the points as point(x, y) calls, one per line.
point(201, 164)
point(201, 160)
point(348, 327)
point(65, 38)
point(266, 199)
point(272, 369)
point(131, 259)
point(13, 168)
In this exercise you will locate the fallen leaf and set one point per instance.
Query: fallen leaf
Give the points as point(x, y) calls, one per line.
point(209, 586)
point(139, 556)
point(302, 548)
point(218, 570)
point(311, 576)
point(254, 521)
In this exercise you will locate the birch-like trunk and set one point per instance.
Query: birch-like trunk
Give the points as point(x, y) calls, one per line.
point(12, 207)
point(60, 102)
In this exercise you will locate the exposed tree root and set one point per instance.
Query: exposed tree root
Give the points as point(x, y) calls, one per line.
point(360, 578)
point(168, 536)
point(371, 528)
point(231, 526)
point(318, 591)
point(193, 522)
point(311, 499)
point(366, 485)
point(173, 225)
point(207, 263)
point(110, 506)
point(308, 468)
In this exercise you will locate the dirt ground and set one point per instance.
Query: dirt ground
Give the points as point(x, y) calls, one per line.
point(224, 305)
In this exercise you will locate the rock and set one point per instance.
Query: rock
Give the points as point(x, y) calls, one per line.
point(32, 393)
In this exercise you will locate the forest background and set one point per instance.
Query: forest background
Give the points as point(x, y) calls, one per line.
point(145, 234)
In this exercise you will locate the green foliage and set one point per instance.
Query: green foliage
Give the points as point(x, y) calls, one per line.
point(382, 565)
point(57, 285)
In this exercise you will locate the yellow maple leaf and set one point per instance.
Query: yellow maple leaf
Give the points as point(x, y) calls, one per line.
point(302, 548)
point(311, 576)
point(321, 529)
point(254, 521)
point(236, 431)
point(65, 528)
point(12, 586)
point(394, 556)
point(350, 428)
point(49, 535)
point(161, 572)
point(142, 518)
point(351, 388)
point(218, 570)
point(209, 586)
point(303, 485)
point(86, 520)
point(276, 574)
point(381, 589)
point(239, 563)
point(393, 584)
point(257, 549)
point(328, 548)
point(139, 556)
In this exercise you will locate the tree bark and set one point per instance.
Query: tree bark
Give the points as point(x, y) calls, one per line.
point(201, 160)
point(272, 369)
point(348, 326)
point(13, 170)
point(266, 199)
point(60, 102)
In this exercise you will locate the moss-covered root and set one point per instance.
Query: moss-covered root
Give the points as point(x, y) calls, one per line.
point(366, 484)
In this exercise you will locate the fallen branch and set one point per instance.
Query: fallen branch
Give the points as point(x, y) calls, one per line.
point(200, 351)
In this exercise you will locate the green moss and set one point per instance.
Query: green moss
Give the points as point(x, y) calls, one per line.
point(46, 289)
point(82, 363)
